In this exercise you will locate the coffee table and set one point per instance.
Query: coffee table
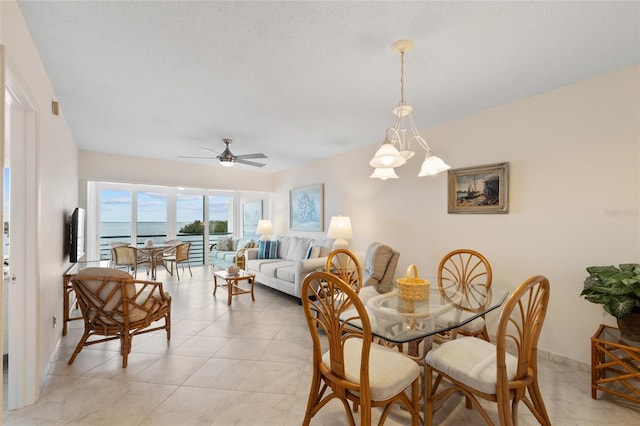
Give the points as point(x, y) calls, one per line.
point(232, 283)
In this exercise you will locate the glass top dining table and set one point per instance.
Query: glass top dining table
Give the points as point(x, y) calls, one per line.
point(402, 321)
point(155, 255)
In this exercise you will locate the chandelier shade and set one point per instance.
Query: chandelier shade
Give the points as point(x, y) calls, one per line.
point(387, 156)
point(384, 173)
point(396, 150)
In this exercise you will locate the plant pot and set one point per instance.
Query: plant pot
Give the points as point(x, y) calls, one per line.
point(629, 326)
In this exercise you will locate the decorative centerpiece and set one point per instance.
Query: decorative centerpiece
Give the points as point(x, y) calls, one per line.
point(233, 270)
point(410, 289)
point(618, 290)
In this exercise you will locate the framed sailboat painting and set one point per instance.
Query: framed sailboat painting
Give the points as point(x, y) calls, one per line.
point(481, 189)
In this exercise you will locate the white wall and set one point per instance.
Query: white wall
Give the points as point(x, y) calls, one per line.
point(116, 168)
point(57, 175)
point(574, 196)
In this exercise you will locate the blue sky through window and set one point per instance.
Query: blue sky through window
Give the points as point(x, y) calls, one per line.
point(115, 206)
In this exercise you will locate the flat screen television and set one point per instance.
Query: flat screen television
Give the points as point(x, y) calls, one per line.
point(77, 240)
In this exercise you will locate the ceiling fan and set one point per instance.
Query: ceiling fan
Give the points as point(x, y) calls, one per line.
point(227, 159)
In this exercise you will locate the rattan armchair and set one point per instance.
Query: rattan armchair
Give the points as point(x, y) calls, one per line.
point(116, 306)
point(353, 369)
point(505, 373)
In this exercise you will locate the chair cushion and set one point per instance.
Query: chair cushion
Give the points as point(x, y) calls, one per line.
point(472, 361)
point(287, 273)
point(450, 318)
point(271, 269)
point(389, 371)
point(377, 259)
point(93, 285)
point(268, 249)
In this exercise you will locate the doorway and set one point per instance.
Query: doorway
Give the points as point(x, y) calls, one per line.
point(19, 142)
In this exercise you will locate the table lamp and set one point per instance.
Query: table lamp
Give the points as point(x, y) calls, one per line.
point(264, 229)
point(340, 229)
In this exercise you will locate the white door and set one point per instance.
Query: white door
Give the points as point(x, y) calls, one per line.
point(20, 135)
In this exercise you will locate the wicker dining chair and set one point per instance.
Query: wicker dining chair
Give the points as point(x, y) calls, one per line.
point(130, 258)
point(505, 373)
point(464, 279)
point(113, 256)
point(353, 369)
point(345, 265)
point(177, 255)
point(116, 306)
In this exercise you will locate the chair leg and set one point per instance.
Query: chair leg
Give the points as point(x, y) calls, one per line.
point(365, 412)
point(429, 390)
point(189, 265)
point(167, 324)
point(79, 346)
point(177, 271)
point(125, 347)
point(314, 398)
point(538, 403)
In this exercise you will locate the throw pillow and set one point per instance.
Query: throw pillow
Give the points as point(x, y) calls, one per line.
point(313, 252)
point(297, 249)
point(224, 244)
point(268, 249)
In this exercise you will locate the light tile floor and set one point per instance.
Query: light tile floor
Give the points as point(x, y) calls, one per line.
point(245, 364)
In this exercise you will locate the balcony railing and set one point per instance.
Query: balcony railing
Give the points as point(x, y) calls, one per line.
point(197, 252)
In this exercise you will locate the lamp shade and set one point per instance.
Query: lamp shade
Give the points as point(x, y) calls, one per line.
point(432, 165)
point(265, 228)
point(340, 229)
point(387, 156)
point(384, 174)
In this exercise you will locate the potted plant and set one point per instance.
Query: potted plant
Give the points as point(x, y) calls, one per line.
point(618, 290)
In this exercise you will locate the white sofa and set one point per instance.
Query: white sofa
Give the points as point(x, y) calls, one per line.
point(286, 272)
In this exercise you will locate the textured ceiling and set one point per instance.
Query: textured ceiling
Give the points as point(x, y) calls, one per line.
point(306, 79)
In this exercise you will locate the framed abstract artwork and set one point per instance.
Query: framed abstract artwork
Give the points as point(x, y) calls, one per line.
point(481, 189)
point(306, 208)
point(251, 214)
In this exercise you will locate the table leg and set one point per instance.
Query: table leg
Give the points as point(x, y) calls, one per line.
point(229, 291)
point(252, 296)
point(65, 314)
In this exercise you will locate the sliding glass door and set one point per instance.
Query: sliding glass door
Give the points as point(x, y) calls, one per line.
point(136, 213)
point(151, 219)
point(115, 219)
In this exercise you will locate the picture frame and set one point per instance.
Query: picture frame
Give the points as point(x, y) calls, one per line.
point(479, 189)
point(251, 214)
point(306, 208)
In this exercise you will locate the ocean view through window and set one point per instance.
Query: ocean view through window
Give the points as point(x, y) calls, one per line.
point(127, 214)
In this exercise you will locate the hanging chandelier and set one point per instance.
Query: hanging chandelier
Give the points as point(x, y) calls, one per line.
point(396, 148)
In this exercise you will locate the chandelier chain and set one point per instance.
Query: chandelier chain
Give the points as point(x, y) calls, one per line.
point(402, 77)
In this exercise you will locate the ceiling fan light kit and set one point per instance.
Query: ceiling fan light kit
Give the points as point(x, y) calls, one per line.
point(227, 159)
point(395, 150)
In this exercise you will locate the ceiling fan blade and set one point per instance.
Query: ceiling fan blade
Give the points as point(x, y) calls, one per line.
point(250, 163)
point(249, 156)
point(209, 149)
point(203, 158)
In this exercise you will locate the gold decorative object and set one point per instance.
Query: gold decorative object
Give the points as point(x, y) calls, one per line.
point(411, 288)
